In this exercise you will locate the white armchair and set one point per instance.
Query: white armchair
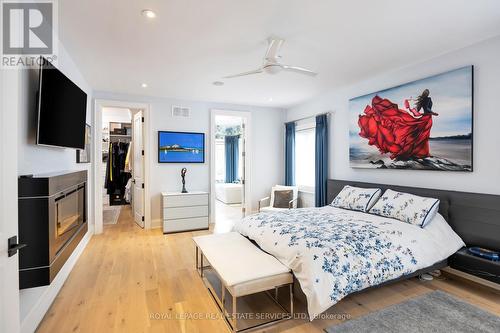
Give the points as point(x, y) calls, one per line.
point(267, 204)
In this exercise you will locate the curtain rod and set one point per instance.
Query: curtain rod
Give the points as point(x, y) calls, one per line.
point(308, 117)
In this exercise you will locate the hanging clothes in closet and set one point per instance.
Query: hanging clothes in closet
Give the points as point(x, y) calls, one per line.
point(128, 168)
point(116, 175)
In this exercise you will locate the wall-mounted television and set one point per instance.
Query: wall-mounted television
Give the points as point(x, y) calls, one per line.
point(181, 147)
point(62, 109)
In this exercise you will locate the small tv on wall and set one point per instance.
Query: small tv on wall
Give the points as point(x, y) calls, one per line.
point(181, 147)
point(62, 109)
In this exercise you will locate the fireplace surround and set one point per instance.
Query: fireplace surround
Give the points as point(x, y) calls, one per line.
point(52, 221)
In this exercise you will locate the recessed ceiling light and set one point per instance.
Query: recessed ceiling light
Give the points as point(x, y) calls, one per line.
point(218, 83)
point(144, 85)
point(148, 13)
point(270, 99)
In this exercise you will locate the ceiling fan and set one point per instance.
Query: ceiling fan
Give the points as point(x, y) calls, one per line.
point(271, 64)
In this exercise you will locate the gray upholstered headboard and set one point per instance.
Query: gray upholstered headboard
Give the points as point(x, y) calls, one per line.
point(474, 217)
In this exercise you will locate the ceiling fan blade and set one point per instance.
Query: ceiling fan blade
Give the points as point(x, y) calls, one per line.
point(299, 70)
point(257, 71)
point(273, 48)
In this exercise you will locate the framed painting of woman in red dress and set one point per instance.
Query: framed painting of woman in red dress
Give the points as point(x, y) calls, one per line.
point(422, 125)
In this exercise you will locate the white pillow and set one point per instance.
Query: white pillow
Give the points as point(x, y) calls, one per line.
point(406, 207)
point(357, 198)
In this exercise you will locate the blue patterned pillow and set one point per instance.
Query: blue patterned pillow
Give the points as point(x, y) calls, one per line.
point(357, 198)
point(406, 207)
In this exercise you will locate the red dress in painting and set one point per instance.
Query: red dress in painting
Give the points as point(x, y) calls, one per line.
point(402, 133)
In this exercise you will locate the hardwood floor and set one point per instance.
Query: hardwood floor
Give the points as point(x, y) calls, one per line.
point(131, 280)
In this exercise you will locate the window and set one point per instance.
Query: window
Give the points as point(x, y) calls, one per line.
point(305, 157)
point(220, 158)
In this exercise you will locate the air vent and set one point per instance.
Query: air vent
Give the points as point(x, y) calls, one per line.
point(179, 111)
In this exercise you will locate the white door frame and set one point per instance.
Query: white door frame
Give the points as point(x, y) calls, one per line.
point(10, 87)
point(97, 161)
point(248, 157)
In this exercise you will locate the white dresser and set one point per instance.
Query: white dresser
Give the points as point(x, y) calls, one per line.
point(184, 211)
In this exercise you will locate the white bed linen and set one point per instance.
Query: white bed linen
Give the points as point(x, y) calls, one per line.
point(334, 252)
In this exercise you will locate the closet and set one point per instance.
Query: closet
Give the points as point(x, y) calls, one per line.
point(117, 137)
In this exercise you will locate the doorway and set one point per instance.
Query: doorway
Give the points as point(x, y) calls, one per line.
point(230, 175)
point(117, 162)
point(121, 159)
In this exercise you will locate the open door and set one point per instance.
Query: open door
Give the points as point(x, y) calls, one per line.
point(243, 171)
point(9, 262)
point(138, 168)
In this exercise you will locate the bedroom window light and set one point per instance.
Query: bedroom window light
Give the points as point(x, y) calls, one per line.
point(304, 156)
point(220, 157)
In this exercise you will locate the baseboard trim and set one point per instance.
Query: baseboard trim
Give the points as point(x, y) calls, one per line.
point(40, 307)
point(157, 223)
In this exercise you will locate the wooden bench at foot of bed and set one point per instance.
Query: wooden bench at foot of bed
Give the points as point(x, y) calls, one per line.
point(242, 269)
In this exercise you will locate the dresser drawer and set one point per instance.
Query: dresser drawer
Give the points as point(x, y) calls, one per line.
point(184, 212)
point(185, 200)
point(185, 224)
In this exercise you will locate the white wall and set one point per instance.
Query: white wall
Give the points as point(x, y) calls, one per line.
point(116, 115)
point(267, 136)
point(486, 176)
point(39, 159)
point(33, 159)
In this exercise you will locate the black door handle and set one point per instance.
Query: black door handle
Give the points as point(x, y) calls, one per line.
point(13, 247)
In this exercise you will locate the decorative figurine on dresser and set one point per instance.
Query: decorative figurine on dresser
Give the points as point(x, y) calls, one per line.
point(183, 176)
point(183, 211)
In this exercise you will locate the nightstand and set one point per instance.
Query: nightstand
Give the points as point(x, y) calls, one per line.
point(474, 268)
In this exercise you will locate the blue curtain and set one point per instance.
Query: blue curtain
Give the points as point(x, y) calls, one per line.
point(232, 157)
point(321, 160)
point(290, 154)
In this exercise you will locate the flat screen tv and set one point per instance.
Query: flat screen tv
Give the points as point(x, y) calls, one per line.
point(181, 147)
point(62, 110)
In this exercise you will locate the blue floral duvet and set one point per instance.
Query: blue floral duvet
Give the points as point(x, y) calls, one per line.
point(334, 252)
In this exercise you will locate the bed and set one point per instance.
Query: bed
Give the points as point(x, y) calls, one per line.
point(229, 193)
point(335, 252)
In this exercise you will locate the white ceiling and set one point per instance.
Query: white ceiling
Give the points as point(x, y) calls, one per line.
point(192, 43)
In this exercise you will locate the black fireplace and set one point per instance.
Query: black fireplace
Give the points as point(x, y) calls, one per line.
point(52, 221)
